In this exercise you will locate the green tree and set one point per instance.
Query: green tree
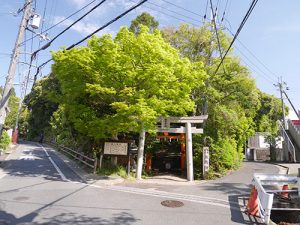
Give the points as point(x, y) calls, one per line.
point(268, 114)
point(231, 94)
point(13, 105)
point(41, 104)
point(144, 19)
point(119, 85)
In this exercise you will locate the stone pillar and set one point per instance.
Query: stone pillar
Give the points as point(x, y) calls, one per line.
point(189, 152)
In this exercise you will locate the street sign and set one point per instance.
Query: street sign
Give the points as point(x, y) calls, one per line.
point(205, 161)
point(115, 148)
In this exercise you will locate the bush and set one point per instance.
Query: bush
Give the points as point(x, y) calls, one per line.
point(4, 140)
point(111, 170)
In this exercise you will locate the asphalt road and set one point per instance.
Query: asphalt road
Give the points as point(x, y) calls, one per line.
point(38, 187)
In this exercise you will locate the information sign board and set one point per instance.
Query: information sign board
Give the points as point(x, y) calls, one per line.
point(115, 148)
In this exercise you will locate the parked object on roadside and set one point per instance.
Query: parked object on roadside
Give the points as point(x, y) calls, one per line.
point(41, 137)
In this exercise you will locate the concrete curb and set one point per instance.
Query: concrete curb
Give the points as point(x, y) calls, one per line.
point(280, 167)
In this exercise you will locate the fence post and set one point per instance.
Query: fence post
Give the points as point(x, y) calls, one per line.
point(95, 165)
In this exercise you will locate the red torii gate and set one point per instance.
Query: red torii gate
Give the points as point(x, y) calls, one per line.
point(188, 130)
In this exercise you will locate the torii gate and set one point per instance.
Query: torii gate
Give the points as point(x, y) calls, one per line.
point(188, 130)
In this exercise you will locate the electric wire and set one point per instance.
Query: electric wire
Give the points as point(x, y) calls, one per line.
point(63, 20)
point(180, 19)
point(180, 7)
point(42, 30)
point(191, 18)
point(262, 73)
point(52, 10)
point(291, 104)
point(252, 6)
point(67, 28)
point(217, 33)
point(206, 10)
point(91, 34)
point(224, 12)
point(255, 57)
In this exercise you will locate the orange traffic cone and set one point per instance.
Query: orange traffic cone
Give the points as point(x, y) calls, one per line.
point(252, 206)
point(285, 194)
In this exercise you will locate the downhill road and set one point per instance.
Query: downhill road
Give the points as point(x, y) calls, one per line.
point(38, 187)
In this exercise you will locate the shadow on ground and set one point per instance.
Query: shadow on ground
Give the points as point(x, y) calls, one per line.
point(122, 218)
point(33, 162)
point(238, 196)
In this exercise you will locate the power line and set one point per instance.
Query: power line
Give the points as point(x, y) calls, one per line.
point(255, 57)
point(263, 74)
point(187, 10)
point(63, 20)
point(224, 12)
point(174, 12)
point(67, 28)
point(252, 6)
point(96, 31)
point(296, 112)
point(216, 30)
point(42, 28)
point(169, 15)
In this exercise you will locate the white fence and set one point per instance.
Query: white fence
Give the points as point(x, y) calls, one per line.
point(265, 197)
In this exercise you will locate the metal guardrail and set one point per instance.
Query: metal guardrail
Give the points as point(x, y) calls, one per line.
point(288, 143)
point(294, 131)
point(265, 197)
point(88, 161)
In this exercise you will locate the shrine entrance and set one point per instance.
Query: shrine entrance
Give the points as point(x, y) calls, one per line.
point(169, 156)
point(172, 129)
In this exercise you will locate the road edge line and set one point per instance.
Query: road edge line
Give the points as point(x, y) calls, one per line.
point(63, 177)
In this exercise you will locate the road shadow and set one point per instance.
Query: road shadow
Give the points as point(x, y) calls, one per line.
point(33, 162)
point(238, 196)
point(122, 218)
point(240, 215)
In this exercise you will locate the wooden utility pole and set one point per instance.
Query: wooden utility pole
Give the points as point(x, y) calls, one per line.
point(13, 63)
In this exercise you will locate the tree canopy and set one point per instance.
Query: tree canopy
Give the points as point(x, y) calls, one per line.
point(116, 85)
point(144, 19)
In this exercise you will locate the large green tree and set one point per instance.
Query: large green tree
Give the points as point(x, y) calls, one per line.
point(231, 94)
point(121, 84)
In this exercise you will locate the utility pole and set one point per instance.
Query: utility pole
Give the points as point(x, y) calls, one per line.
point(13, 63)
point(281, 86)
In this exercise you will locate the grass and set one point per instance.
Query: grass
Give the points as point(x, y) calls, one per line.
point(110, 170)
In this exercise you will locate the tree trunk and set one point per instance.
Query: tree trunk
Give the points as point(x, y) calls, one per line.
point(140, 158)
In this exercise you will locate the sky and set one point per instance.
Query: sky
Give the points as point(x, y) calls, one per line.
point(268, 43)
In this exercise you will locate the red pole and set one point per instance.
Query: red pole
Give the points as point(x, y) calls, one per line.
point(15, 136)
point(182, 151)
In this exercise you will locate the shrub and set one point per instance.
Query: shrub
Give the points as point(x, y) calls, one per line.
point(4, 140)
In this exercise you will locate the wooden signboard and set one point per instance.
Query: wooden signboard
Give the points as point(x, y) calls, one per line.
point(115, 148)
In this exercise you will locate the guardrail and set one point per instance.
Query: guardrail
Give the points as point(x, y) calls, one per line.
point(288, 143)
point(265, 197)
point(88, 161)
point(295, 132)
